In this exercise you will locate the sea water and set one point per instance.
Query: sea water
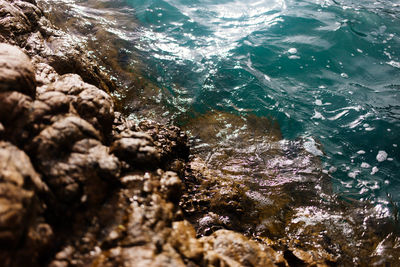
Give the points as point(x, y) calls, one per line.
point(327, 70)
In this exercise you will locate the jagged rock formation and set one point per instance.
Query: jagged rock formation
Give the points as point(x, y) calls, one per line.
point(22, 23)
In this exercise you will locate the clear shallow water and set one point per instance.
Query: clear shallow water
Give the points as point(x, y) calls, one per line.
point(329, 70)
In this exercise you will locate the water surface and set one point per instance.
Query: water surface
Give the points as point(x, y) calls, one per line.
point(329, 70)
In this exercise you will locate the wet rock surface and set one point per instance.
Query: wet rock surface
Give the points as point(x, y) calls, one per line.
point(23, 23)
point(81, 185)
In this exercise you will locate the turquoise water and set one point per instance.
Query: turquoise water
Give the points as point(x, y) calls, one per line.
point(327, 70)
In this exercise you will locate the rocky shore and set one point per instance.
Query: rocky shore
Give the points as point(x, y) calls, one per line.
point(81, 185)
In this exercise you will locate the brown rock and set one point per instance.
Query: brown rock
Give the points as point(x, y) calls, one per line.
point(58, 139)
point(227, 248)
point(83, 99)
point(76, 165)
point(183, 239)
point(51, 103)
point(15, 109)
point(314, 258)
point(68, 84)
point(13, 21)
point(84, 175)
point(137, 151)
point(170, 140)
point(16, 71)
point(97, 107)
point(1, 130)
point(171, 186)
point(22, 23)
point(45, 74)
point(31, 11)
point(18, 184)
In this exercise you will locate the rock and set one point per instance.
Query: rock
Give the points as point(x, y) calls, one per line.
point(227, 248)
point(65, 54)
point(16, 71)
point(138, 152)
point(170, 140)
point(22, 23)
point(45, 74)
point(50, 103)
point(1, 130)
point(87, 187)
point(18, 184)
point(183, 239)
point(96, 107)
point(171, 186)
point(314, 258)
point(58, 139)
point(80, 98)
point(68, 84)
point(168, 145)
point(77, 166)
point(15, 112)
point(31, 11)
point(13, 21)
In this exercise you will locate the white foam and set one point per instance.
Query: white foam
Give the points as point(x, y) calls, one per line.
point(374, 170)
point(311, 146)
point(382, 156)
point(394, 64)
point(365, 165)
point(292, 51)
point(353, 174)
point(318, 115)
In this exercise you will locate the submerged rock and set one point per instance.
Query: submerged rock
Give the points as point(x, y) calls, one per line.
point(244, 177)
